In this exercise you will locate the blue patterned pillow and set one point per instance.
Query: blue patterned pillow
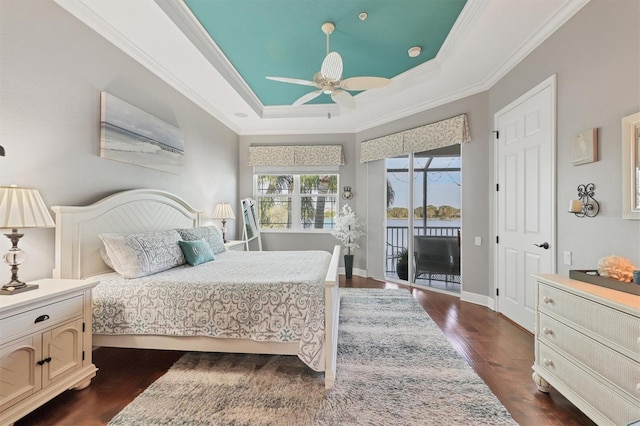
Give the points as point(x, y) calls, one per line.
point(196, 251)
point(139, 255)
point(211, 234)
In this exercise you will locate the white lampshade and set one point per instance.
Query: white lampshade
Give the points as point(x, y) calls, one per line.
point(223, 211)
point(23, 208)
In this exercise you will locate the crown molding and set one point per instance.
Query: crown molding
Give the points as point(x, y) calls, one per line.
point(423, 106)
point(186, 22)
point(568, 9)
point(465, 21)
point(290, 111)
point(93, 20)
point(178, 13)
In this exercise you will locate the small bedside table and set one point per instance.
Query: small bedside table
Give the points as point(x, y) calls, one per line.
point(236, 245)
point(45, 339)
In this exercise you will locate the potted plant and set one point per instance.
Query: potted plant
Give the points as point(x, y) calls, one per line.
point(402, 265)
point(346, 231)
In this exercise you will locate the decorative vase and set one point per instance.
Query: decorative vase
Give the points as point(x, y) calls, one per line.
point(402, 268)
point(348, 265)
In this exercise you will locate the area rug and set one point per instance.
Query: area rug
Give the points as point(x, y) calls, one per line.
point(395, 367)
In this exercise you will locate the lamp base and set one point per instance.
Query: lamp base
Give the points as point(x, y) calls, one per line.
point(15, 290)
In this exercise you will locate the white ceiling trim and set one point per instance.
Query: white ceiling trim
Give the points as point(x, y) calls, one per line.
point(184, 19)
point(313, 110)
point(96, 22)
point(467, 16)
point(570, 8)
point(445, 79)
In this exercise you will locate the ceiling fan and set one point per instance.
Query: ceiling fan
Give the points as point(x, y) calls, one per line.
point(328, 79)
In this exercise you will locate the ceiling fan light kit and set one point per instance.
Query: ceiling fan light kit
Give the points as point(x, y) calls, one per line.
point(329, 81)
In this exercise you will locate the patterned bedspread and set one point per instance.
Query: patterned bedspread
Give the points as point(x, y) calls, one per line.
point(263, 296)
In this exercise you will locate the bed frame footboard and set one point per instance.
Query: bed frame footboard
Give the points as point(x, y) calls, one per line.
point(332, 312)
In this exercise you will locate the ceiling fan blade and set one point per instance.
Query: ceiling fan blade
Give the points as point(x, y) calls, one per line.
point(306, 98)
point(332, 67)
point(364, 83)
point(292, 80)
point(343, 99)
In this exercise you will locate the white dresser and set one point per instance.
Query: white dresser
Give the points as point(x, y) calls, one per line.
point(588, 347)
point(45, 345)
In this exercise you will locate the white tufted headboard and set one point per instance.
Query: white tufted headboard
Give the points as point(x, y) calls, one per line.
point(133, 211)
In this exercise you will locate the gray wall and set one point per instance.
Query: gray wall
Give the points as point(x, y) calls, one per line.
point(596, 56)
point(475, 189)
point(53, 69)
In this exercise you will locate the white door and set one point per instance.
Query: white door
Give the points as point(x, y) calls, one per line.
point(525, 164)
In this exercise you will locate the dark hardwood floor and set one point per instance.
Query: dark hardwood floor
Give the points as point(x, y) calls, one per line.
point(500, 352)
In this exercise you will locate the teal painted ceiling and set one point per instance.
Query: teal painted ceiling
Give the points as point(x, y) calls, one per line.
point(283, 38)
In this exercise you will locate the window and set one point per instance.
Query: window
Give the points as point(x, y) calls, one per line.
point(296, 201)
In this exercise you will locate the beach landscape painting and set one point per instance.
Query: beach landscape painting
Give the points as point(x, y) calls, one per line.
point(131, 135)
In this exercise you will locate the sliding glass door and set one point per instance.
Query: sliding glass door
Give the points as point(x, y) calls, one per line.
point(423, 219)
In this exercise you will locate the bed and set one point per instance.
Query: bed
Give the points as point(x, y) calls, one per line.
point(190, 311)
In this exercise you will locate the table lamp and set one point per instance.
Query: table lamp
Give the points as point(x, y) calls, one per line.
point(20, 208)
point(223, 211)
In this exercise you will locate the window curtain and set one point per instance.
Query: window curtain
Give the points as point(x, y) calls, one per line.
point(296, 155)
point(443, 133)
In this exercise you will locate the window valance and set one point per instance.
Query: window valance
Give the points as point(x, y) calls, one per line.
point(443, 133)
point(296, 155)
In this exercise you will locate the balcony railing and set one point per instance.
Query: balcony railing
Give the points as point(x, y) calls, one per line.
point(398, 238)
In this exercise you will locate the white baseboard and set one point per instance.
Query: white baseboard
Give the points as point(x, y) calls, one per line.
point(356, 271)
point(478, 299)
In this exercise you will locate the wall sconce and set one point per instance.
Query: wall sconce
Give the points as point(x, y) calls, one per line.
point(586, 205)
point(346, 193)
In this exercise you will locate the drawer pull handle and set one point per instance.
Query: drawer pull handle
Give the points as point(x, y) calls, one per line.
point(547, 330)
point(547, 362)
point(41, 362)
point(41, 318)
point(547, 299)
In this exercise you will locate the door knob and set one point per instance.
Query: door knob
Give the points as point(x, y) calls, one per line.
point(544, 245)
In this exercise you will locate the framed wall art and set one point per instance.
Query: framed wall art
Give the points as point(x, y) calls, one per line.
point(133, 136)
point(584, 147)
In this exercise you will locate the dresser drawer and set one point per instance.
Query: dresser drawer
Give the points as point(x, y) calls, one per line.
point(611, 365)
point(25, 322)
point(620, 410)
point(599, 321)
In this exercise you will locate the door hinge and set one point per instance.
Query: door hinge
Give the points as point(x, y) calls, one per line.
point(497, 187)
point(83, 327)
point(83, 355)
point(497, 239)
point(497, 292)
point(497, 132)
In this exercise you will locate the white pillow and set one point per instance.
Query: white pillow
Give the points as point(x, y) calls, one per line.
point(105, 257)
point(138, 255)
point(211, 234)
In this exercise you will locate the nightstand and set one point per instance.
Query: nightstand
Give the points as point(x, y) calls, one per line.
point(237, 245)
point(45, 345)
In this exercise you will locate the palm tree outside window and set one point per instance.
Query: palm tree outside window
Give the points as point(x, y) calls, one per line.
point(296, 201)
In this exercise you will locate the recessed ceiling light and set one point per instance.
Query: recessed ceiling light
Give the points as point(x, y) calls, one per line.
point(414, 51)
point(241, 115)
point(363, 16)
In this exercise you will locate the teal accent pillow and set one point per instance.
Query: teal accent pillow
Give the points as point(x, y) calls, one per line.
point(196, 251)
